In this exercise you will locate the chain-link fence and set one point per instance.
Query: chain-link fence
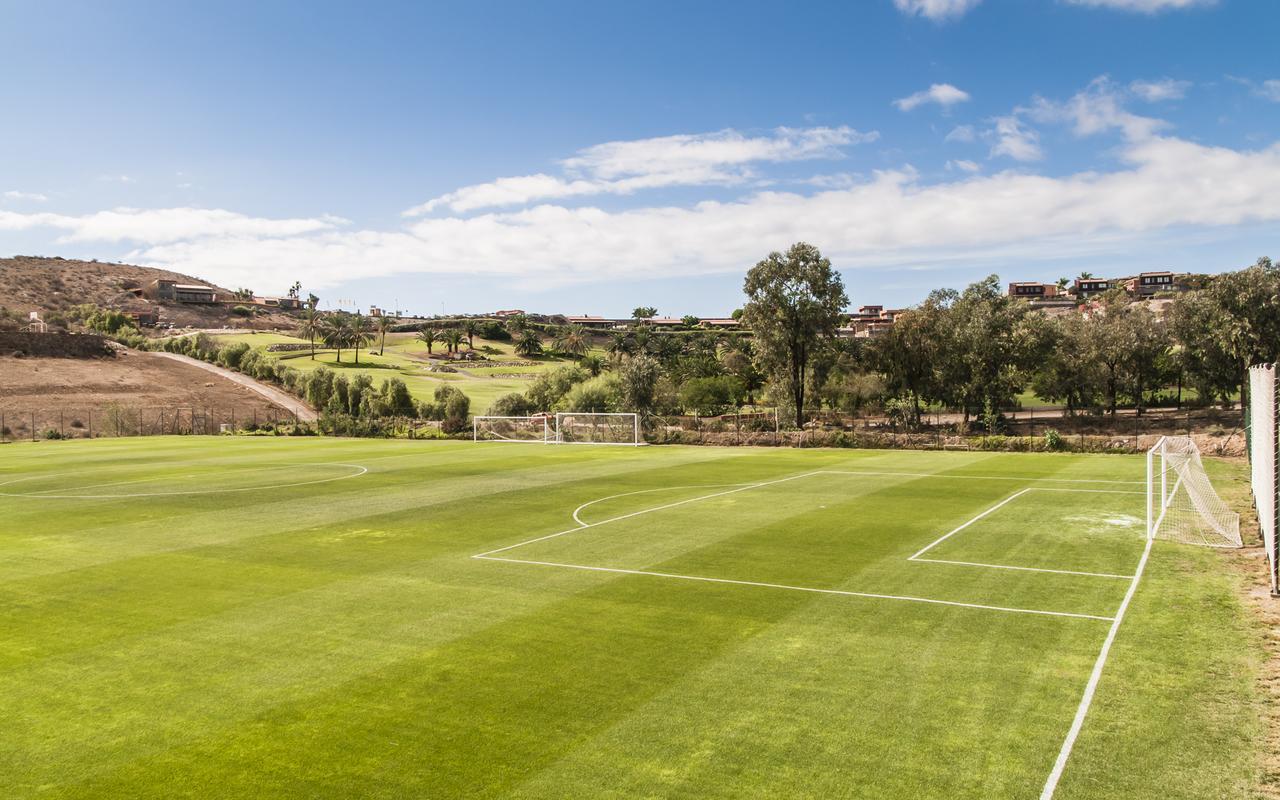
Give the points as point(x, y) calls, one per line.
point(117, 419)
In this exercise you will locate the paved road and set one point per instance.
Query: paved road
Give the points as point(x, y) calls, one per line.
point(280, 398)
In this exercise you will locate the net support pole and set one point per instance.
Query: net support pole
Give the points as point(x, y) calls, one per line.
point(1150, 483)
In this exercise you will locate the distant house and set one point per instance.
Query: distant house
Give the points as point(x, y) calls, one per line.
point(664, 322)
point(509, 312)
point(285, 303)
point(1088, 287)
point(1149, 283)
point(164, 289)
point(588, 321)
point(721, 323)
point(1031, 290)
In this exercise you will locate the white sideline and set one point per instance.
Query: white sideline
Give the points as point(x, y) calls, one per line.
point(34, 496)
point(814, 590)
point(966, 524)
point(1051, 784)
point(973, 477)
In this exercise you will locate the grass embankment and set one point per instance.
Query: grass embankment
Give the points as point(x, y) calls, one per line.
point(307, 621)
point(406, 358)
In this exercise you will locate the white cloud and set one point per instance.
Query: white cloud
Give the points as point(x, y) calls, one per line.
point(14, 194)
point(625, 167)
point(964, 165)
point(1267, 89)
point(162, 225)
point(1161, 90)
point(116, 179)
point(944, 94)
point(1142, 6)
point(1015, 140)
point(936, 10)
point(961, 133)
point(1162, 184)
point(891, 217)
point(1099, 107)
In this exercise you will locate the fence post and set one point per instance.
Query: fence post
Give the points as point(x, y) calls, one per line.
point(62, 428)
point(33, 426)
point(91, 423)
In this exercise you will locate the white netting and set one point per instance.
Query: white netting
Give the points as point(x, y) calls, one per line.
point(511, 429)
point(585, 428)
point(1263, 456)
point(1181, 502)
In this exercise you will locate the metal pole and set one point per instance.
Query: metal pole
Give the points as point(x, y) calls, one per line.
point(91, 423)
point(33, 426)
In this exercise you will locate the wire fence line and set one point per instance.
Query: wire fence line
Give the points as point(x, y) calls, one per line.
point(119, 419)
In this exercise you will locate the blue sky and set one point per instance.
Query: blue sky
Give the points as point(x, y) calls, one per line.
point(590, 157)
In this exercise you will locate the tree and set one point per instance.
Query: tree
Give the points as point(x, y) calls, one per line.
point(689, 321)
point(311, 327)
point(1065, 374)
point(795, 302)
point(383, 326)
point(358, 332)
point(738, 363)
point(334, 333)
point(295, 291)
point(619, 345)
point(638, 383)
point(908, 354)
point(529, 344)
point(429, 337)
point(517, 324)
point(737, 314)
point(453, 340)
point(592, 363)
point(471, 328)
point(709, 397)
point(642, 314)
point(1063, 283)
point(571, 341)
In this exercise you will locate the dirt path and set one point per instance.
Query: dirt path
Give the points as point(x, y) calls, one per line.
point(280, 398)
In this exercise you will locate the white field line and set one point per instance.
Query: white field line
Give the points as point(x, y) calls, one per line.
point(152, 479)
point(589, 503)
point(842, 592)
point(917, 557)
point(967, 523)
point(971, 477)
point(643, 511)
point(1051, 784)
point(361, 471)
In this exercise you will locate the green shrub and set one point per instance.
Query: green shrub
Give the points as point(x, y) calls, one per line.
point(242, 311)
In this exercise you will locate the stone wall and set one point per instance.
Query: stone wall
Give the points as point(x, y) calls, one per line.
point(58, 345)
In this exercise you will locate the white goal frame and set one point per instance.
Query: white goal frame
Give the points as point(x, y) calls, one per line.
point(1177, 483)
point(636, 439)
point(533, 420)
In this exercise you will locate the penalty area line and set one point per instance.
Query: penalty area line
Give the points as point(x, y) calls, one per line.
point(786, 587)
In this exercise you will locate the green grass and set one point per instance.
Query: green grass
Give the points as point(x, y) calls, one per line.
point(405, 357)
point(307, 621)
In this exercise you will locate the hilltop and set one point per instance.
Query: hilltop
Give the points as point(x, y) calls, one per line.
point(54, 285)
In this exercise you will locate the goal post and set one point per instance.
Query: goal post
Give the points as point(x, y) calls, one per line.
point(1182, 505)
point(617, 428)
point(535, 429)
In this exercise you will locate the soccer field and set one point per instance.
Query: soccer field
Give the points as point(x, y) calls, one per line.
point(274, 617)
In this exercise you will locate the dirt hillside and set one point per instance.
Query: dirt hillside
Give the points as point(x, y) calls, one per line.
point(35, 283)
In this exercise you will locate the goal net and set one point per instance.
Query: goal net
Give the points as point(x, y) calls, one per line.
point(1264, 460)
point(586, 428)
point(511, 429)
point(1181, 503)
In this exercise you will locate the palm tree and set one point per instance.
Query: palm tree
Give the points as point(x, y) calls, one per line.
point(311, 327)
point(384, 325)
point(453, 339)
point(529, 345)
point(619, 346)
point(358, 332)
point(592, 363)
point(518, 323)
point(570, 340)
point(333, 332)
point(472, 329)
point(429, 337)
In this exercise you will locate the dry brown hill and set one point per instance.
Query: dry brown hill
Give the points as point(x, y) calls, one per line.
point(36, 283)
